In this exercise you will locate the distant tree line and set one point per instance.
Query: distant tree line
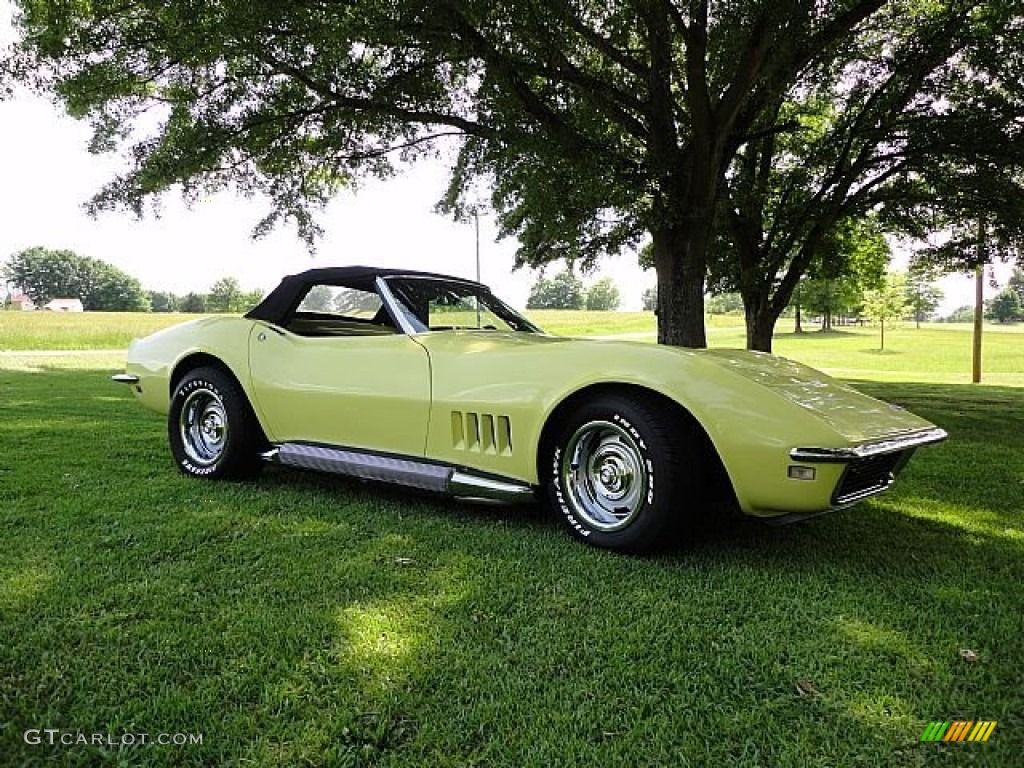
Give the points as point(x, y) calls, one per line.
point(225, 295)
point(869, 292)
point(567, 291)
point(1008, 306)
point(44, 274)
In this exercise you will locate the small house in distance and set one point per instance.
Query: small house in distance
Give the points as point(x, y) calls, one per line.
point(22, 303)
point(64, 305)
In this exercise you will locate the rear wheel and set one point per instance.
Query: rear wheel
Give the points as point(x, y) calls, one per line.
point(617, 473)
point(211, 428)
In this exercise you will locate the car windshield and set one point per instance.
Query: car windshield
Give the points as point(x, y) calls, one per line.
point(434, 304)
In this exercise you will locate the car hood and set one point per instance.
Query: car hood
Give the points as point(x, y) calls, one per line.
point(854, 415)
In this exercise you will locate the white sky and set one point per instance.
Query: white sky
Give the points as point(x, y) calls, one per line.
point(47, 173)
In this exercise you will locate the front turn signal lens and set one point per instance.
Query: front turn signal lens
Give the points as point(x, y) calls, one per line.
point(801, 473)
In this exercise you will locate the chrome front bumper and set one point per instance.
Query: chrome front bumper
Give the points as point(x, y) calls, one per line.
point(870, 468)
point(842, 455)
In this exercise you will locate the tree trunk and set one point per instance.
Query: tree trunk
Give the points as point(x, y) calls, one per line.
point(759, 332)
point(680, 260)
point(826, 316)
point(760, 321)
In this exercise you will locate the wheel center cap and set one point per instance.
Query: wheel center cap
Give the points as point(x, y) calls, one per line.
point(211, 426)
point(613, 476)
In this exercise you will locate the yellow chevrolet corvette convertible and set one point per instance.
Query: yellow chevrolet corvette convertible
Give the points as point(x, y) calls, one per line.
point(431, 382)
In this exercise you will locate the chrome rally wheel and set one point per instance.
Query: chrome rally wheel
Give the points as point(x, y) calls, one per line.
point(211, 427)
point(204, 426)
point(605, 475)
point(614, 468)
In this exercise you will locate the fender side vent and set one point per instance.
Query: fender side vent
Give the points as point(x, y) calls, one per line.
point(482, 433)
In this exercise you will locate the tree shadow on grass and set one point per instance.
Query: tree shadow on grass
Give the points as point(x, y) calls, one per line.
point(810, 335)
point(306, 619)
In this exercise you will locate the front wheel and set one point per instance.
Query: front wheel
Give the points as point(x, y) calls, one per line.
point(614, 471)
point(211, 428)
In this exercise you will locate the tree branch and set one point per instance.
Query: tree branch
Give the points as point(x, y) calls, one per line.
point(604, 46)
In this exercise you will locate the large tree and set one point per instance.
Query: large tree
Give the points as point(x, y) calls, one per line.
point(894, 125)
point(598, 125)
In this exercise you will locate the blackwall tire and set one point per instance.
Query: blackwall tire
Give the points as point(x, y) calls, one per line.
point(211, 428)
point(614, 473)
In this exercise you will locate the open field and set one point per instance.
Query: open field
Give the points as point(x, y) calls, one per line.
point(115, 330)
point(934, 353)
point(567, 322)
point(938, 353)
point(307, 620)
point(85, 330)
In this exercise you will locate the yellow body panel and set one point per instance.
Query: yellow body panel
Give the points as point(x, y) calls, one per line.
point(368, 392)
point(479, 399)
point(526, 377)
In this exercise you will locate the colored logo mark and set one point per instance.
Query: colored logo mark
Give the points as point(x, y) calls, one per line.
point(959, 730)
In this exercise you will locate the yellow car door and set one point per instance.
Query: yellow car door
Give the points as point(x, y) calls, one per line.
point(339, 373)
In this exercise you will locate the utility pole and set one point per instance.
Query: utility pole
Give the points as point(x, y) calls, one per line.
point(476, 222)
point(979, 302)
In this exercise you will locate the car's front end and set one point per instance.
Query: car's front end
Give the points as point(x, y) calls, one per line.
point(832, 445)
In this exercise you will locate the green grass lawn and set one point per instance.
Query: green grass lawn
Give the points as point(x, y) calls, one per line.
point(310, 620)
point(80, 330)
point(933, 353)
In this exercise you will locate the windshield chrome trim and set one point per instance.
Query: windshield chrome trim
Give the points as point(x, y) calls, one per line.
point(395, 308)
point(838, 455)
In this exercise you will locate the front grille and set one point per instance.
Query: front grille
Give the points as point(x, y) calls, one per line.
point(864, 477)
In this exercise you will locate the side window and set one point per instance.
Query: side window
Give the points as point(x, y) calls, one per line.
point(338, 301)
point(336, 310)
point(449, 310)
point(453, 311)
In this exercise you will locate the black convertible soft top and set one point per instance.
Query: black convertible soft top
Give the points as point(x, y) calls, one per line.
point(281, 301)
